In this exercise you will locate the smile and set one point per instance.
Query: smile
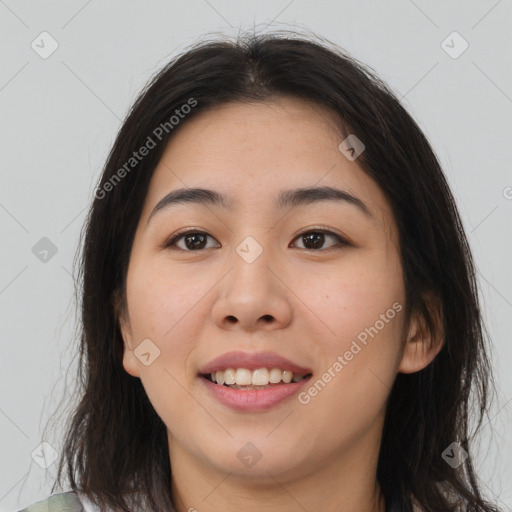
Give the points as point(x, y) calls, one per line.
point(253, 397)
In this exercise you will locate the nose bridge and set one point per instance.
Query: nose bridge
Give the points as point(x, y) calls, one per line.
point(250, 250)
point(254, 231)
point(251, 292)
point(251, 259)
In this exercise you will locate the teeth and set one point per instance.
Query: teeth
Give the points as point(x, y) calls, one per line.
point(243, 377)
point(229, 376)
point(260, 377)
point(275, 375)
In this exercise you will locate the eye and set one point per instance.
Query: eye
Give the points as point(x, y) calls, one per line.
point(194, 240)
point(315, 238)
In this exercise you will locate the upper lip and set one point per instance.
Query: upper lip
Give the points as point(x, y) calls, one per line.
point(252, 361)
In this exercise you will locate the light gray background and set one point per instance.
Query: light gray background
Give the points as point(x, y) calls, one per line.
point(59, 117)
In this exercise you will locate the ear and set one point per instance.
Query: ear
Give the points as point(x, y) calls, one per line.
point(130, 362)
point(423, 343)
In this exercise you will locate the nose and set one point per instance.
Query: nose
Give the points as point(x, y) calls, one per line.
point(253, 296)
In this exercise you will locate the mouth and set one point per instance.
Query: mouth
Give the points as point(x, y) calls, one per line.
point(232, 383)
point(252, 397)
point(258, 379)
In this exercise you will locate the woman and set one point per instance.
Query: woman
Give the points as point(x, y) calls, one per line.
point(279, 305)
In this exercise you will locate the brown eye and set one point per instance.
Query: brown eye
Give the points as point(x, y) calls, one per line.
point(315, 239)
point(193, 241)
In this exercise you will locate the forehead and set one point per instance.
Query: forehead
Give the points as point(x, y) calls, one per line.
point(251, 151)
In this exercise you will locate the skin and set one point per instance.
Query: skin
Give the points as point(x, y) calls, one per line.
point(307, 304)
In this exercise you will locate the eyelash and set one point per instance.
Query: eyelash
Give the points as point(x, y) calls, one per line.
point(171, 242)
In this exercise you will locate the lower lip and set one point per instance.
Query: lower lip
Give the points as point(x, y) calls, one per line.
point(253, 400)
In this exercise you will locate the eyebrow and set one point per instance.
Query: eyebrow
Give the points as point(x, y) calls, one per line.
point(290, 198)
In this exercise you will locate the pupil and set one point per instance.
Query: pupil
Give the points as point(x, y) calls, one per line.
point(197, 245)
point(316, 238)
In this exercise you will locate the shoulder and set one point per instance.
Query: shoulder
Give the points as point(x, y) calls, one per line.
point(61, 502)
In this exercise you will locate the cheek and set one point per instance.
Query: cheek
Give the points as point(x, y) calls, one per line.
point(163, 305)
point(356, 294)
point(364, 306)
point(362, 303)
point(162, 299)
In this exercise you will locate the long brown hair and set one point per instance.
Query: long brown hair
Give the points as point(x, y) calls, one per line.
point(116, 445)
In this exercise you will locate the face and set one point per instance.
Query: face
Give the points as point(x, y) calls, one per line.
point(319, 283)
